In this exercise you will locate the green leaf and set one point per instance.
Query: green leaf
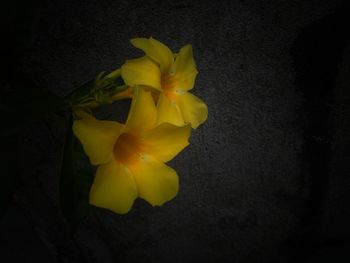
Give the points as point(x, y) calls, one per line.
point(80, 92)
point(76, 180)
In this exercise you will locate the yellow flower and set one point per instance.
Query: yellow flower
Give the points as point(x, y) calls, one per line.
point(171, 74)
point(131, 157)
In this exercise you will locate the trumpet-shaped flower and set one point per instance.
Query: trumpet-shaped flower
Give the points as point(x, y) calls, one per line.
point(131, 156)
point(173, 75)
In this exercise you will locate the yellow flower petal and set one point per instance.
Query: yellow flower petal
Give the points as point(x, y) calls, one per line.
point(143, 113)
point(166, 141)
point(141, 71)
point(156, 182)
point(185, 69)
point(97, 138)
point(193, 109)
point(113, 188)
point(156, 51)
point(169, 111)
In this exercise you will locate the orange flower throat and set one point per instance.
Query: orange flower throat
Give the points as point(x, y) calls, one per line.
point(128, 148)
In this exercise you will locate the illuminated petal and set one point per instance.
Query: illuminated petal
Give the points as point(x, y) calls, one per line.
point(166, 141)
point(98, 138)
point(169, 111)
point(156, 51)
point(185, 69)
point(156, 182)
point(143, 113)
point(141, 71)
point(193, 109)
point(113, 188)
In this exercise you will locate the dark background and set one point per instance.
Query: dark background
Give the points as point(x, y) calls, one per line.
point(265, 179)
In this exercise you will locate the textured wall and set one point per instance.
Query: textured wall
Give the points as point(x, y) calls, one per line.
point(249, 190)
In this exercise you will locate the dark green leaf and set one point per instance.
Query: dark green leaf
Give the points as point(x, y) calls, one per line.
point(79, 92)
point(76, 180)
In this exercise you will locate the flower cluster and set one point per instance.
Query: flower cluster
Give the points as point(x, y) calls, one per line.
point(131, 157)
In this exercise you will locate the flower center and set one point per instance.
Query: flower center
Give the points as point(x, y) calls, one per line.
point(168, 83)
point(128, 148)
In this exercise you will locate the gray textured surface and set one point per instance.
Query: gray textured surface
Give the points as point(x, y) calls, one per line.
point(242, 183)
